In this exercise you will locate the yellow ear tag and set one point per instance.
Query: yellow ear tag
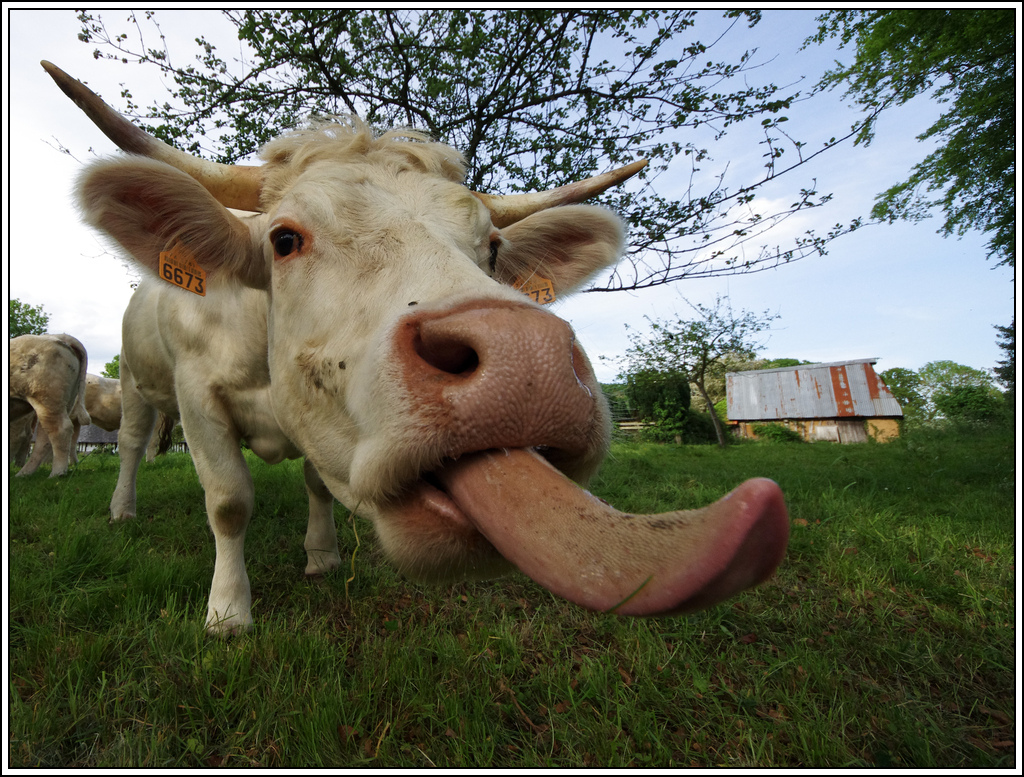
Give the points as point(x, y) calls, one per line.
point(178, 267)
point(541, 289)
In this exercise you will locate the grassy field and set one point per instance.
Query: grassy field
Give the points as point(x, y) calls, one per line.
point(886, 639)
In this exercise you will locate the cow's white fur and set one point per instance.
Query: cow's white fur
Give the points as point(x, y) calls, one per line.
point(47, 377)
point(103, 401)
point(19, 441)
point(295, 354)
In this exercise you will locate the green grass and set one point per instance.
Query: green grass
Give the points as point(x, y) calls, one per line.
point(886, 639)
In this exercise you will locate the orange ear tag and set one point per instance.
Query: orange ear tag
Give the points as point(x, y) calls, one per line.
point(541, 289)
point(178, 267)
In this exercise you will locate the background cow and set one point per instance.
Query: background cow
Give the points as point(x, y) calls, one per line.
point(20, 431)
point(103, 404)
point(366, 320)
point(47, 378)
point(103, 401)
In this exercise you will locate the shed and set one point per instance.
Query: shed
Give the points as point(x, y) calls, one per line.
point(839, 401)
point(92, 437)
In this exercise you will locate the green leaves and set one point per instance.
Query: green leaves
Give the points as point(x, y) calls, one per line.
point(25, 319)
point(534, 99)
point(944, 390)
point(965, 60)
point(687, 350)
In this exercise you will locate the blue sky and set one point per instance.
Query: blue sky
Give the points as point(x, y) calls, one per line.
point(900, 293)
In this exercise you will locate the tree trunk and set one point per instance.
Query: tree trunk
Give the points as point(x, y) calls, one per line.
point(719, 431)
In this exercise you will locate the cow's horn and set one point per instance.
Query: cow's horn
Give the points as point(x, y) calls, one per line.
point(510, 208)
point(234, 186)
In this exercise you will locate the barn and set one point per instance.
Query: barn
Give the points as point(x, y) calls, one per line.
point(839, 401)
point(92, 437)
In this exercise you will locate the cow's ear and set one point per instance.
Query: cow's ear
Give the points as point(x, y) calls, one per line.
point(149, 207)
point(566, 245)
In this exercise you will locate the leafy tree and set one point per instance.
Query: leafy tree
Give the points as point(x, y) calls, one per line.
point(969, 403)
point(905, 385)
point(945, 377)
point(662, 398)
point(772, 364)
point(1006, 372)
point(965, 58)
point(689, 347)
point(25, 319)
point(722, 409)
point(534, 99)
point(650, 389)
point(112, 369)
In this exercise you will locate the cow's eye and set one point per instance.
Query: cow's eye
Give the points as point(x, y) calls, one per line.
point(494, 255)
point(286, 241)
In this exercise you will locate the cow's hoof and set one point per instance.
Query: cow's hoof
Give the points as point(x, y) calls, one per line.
point(227, 627)
point(320, 563)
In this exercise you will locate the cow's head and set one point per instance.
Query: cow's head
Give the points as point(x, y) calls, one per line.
point(431, 396)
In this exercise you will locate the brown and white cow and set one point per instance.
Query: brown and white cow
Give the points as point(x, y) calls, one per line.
point(365, 320)
point(47, 379)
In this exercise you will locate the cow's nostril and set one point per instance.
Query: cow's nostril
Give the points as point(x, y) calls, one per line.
point(448, 355)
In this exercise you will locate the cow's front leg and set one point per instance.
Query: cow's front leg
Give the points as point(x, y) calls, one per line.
point(229, 500)
point(321, 533)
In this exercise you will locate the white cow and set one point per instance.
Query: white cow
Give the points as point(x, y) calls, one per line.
point(365, 320)
point(103, 401)
point(47, 378)
point(103, 404)
point(19, 441)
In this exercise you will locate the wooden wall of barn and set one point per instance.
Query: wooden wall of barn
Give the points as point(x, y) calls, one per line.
point(841, 430)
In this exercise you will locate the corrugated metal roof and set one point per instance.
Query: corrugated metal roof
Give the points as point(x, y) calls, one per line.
point(94, 434)
point(849, 389)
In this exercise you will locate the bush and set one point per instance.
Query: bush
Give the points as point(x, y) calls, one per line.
point(650, 393)
point(690, 428)
point(722, 410)
point(970, 403)
point(668, 422)
point(776, 433)
point(699, 429)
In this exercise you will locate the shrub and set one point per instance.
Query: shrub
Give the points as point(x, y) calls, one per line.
point(690, 428)
point(668, 422)
point(698, 429)
point(651, 392)
point(722, 409)
point(776, 433)
point(970, 403)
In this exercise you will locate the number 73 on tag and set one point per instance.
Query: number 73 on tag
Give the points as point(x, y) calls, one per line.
point(178, 267)
point(541, 289)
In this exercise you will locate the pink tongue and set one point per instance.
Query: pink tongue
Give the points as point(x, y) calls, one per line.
point(585, 551)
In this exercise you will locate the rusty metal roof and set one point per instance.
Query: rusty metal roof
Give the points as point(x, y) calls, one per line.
point(849, 389)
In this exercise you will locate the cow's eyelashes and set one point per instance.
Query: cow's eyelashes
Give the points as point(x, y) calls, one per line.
point(286, 241)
